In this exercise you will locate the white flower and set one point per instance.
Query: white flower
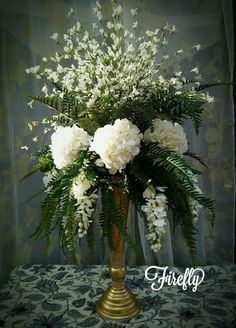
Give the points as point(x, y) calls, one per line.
point(85, 203)
point(195, 206)
point(45, 89)
point(117, 11)
point(26, 147)
point(79, 187)
point(46, 130)
point(99, 15)
point(148, 193)
point(54, 36)
point(109, 25)
point(197, 46)
point(98, 5)
point(33, 70)
point(135, 25)
point(155, 210)
point(117, 144)
point(168, 135)
point(133, 12)
point(180, 51)
point(31, 103)
point(195, 70)
point(71, 11)
point(178, 73)
point(165, 57)
point(208, 98)
point(66, 144)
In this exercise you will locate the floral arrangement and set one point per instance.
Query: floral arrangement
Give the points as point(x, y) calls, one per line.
point(117, 122)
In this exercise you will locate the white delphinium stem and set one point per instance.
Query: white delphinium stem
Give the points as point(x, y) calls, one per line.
point(194, 204)
point(195, 208)
point(155, 211)
point(84, 203)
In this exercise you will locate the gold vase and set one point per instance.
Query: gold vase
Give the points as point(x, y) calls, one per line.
point(118, 303)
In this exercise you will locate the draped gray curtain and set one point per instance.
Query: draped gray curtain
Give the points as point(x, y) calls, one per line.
point(25, 27)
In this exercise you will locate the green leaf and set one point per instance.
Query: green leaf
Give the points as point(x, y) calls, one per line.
point(90, 175)
point(36, 168)
point(88, 125)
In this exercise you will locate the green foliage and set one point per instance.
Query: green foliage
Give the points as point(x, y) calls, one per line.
point(45, 164)
point(163, 103)
point(167, 168)
point(161, 166)
point(58, 209)
point(114, 214)
point(88, 125)
point(180, 171)
point(67, 105)
point(209, 85)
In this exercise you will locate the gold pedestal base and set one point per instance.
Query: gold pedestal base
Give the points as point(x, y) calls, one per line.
point(117, 304)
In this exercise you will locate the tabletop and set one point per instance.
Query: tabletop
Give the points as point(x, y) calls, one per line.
point(65, 295)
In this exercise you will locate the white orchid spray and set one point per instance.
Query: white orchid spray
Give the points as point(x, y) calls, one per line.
point(155, 210)
point(116, 121)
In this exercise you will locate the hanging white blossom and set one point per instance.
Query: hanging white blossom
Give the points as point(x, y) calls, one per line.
point(80, 186)
point(167, 134)
point(66, 142)
point(155, 211)
point(84, 203)
point(195, 206)
point(117, 144)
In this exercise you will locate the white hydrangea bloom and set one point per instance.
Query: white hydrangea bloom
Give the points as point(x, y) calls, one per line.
point(85, 203)
point(117, 144)
point(155, 210)
point(168, 135)
point(66, 142)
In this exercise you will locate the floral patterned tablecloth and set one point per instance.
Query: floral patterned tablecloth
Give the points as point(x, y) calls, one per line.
point(65, 295)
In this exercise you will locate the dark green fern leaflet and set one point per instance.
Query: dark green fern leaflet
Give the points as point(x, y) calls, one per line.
point(67, 105)
point(114, 214)
point(58, 209)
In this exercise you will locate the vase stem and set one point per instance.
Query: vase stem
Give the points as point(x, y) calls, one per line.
point(118, 303)
point(117, 251)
